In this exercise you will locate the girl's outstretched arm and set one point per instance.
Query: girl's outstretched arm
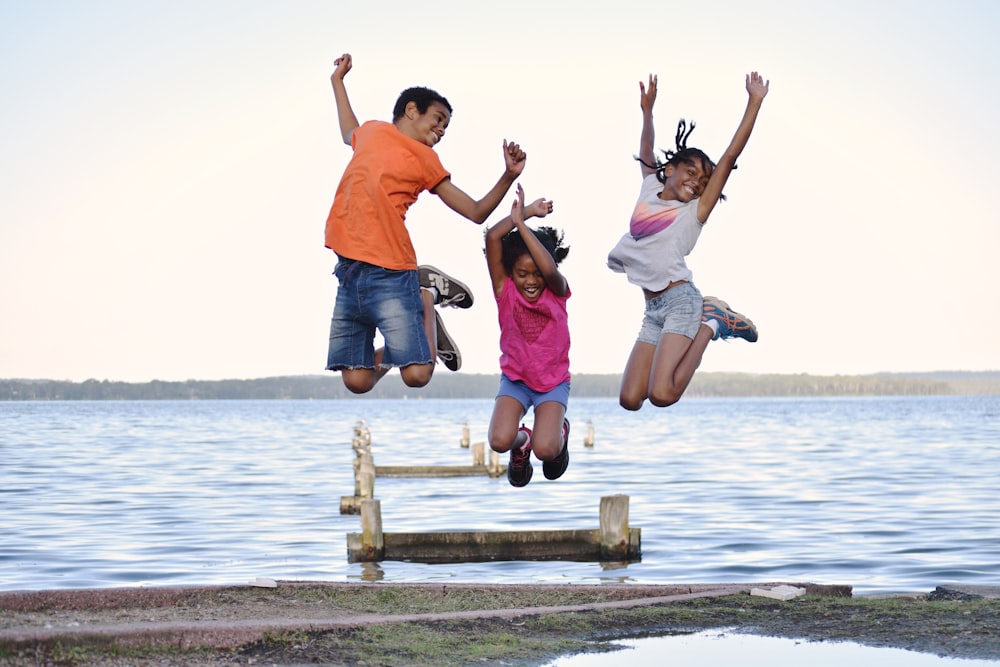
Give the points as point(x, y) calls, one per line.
point(647, 96)
point(756, 91)
point(494, 252)
point(554, 280)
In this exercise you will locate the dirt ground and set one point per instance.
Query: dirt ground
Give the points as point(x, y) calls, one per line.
point(297, 623)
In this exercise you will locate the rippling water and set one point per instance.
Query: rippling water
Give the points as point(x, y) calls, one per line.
point(885, 494)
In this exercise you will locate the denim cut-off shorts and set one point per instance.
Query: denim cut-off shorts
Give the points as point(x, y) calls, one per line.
point(371, 297)
point(528, 397)
point(678, 310)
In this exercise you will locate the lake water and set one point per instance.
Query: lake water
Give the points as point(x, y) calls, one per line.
point(721, 647)
point(884, 494)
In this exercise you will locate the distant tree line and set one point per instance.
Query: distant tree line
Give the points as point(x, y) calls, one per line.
point(325, 387)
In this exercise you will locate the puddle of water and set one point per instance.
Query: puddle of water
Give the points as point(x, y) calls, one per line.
point(720, 647)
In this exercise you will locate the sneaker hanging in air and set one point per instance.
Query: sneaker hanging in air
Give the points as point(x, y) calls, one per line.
point(447, 351)
point(556, 467)
point(450, 292)
point(731, 323)
point(519, 468)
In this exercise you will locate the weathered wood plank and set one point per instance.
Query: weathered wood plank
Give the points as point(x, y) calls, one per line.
point(434, 471)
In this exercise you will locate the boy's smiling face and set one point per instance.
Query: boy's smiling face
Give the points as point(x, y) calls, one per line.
point(428, 128)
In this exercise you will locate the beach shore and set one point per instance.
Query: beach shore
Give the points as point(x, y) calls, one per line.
point(286, 622)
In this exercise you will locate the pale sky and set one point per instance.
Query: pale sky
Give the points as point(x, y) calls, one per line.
point(167, 169)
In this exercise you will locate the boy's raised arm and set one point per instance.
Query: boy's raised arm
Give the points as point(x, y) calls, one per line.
point(345, 114)
point(477, 211)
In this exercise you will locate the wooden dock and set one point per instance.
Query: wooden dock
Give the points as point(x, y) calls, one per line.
point(613, 541)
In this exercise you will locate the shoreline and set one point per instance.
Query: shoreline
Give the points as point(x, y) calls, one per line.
point(348, 623)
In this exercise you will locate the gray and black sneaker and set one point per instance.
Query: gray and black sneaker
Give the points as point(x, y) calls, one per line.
point(556, 467)
point(447, 351)
point(451, 292)
point(519, 465)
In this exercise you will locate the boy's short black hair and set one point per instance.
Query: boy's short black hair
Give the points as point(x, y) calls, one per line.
point(422, 97)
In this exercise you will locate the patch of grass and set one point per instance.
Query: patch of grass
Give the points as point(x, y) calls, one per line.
point(944, 628)
point(961, 629)
point(419, 600)
point(443, 644)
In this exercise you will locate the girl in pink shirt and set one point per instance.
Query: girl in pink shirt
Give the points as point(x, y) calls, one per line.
point(531, 297)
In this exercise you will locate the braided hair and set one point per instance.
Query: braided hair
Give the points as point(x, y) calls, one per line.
point(682, 154)
point(514, 246)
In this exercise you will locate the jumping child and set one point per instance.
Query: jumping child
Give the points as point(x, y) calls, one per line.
point(531, 297)
point(380, 284)
point(676, 198)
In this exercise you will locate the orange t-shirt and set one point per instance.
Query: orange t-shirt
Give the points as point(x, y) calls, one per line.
point(367, 221)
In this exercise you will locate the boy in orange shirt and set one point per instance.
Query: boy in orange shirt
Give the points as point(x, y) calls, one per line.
point(380, 284)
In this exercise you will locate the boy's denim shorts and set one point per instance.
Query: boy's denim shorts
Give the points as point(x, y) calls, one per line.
point(528, 397)
point(678, 310)
point(371, 297)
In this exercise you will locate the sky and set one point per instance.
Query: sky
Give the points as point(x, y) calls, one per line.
point(167, 169)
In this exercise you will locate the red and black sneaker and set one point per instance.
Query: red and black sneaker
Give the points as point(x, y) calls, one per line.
point(519, 465)
point(556, 467)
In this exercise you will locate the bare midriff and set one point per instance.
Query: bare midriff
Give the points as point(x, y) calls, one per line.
point(652, 295)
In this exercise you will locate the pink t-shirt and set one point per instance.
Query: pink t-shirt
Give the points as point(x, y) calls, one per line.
point(534, 337)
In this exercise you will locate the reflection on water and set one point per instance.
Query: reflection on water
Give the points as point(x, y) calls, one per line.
point(885, 494)
point(720, 647)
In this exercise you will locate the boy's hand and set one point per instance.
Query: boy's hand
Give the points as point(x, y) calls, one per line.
point(342, 66)
point(756, 86)
point(538, 208)
point(647, 95)
point(514, 158)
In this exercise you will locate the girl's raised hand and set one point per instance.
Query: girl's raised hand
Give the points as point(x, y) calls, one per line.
point(517, 208)
point(756, 86)
point(538, 208)
point(647, 94)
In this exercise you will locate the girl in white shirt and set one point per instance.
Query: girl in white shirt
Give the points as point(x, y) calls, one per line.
point(676, 198)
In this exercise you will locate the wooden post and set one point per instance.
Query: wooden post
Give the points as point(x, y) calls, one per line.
point(362, 436)
point(465, 435)
point(366, 484)
point(350, 505)
point(494, 469)
point(364, 488)
point(614, 543)
point(371, 530)
point(366, 467)
point(588, 440)
point(614, 528)
point(478, 454)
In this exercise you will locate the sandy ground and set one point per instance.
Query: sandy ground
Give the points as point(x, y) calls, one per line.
point(345, 623)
